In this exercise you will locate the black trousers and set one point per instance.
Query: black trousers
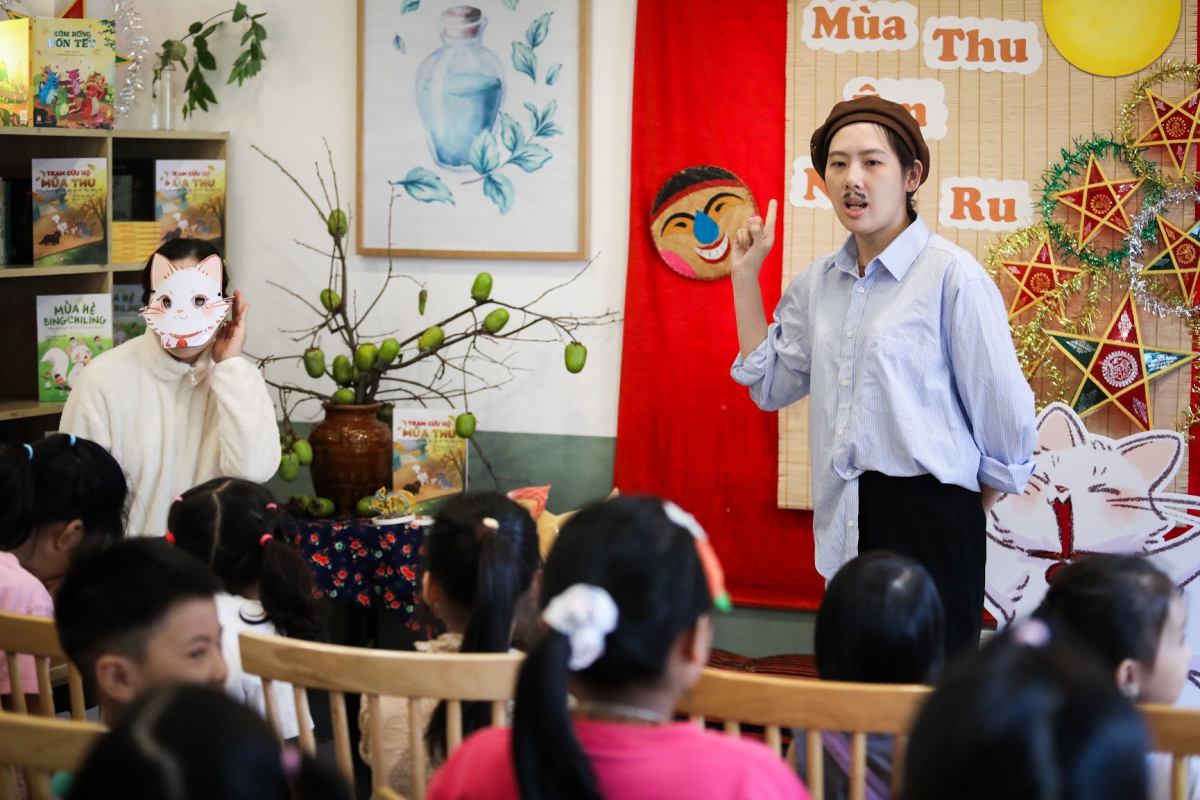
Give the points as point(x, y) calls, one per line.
point(942, 528)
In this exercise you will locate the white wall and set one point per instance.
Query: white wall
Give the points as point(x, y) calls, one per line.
point(306, 91)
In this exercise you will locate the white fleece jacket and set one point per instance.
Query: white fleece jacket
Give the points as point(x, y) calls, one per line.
point(172, 425)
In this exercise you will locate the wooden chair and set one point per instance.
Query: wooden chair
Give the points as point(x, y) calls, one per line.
point(374, 673)
point(21, 634)
point(1176, 732)
point(41, 747)
point(814, 706)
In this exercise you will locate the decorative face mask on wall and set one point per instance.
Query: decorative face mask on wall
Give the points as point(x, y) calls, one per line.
point(186, 305)
point(695, 215)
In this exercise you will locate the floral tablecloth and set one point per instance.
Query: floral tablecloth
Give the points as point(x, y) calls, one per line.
point(353, 561)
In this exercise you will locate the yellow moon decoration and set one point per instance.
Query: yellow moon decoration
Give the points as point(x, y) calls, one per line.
point(1111, 37)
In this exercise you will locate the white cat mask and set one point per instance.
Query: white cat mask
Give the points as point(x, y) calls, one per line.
point(186, 305)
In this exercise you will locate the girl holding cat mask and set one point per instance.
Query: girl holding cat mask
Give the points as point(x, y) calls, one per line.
point(179, 405)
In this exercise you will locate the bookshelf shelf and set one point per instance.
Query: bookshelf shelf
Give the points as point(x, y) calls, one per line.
point(27, 409)
point(25, 271)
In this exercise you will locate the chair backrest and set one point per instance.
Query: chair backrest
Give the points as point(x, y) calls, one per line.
point(40, 747)
point(814, 706)
point(1176, 732)
point(455, 678)
point(24, 635)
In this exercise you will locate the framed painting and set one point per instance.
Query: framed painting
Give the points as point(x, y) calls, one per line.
point(472, 129)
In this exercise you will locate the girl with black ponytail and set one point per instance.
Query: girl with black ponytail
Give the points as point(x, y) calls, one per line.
point(629, 588)
point(481, 567)
point(234, 526)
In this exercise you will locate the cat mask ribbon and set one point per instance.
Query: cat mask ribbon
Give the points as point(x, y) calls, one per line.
point(186, 305)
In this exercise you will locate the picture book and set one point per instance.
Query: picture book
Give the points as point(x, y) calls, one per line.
point(126, 313)
point(72, 329)
point(72, 69)
point(16, 100)
point(189, 199)
point(428, 459)
point(70, 197)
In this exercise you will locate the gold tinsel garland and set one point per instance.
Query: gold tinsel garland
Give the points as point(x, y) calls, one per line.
point(1141, 166)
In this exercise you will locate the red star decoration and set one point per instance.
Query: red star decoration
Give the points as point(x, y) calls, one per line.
point(1100, 202)
point(1036, 278)
point(1181, 258)
point(1175, 128)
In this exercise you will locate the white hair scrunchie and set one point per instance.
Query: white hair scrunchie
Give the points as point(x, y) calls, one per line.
point(585, 614)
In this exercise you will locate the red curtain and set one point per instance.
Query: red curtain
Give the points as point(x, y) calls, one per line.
point(709, 88)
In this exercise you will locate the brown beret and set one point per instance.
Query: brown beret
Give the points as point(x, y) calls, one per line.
point(870, 108)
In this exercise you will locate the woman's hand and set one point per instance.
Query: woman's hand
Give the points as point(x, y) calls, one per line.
point(752, 242)
point(232, 335)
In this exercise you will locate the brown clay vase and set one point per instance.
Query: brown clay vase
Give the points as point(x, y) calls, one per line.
point(352, 454)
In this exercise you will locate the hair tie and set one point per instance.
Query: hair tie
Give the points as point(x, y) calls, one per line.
point(29, 450)
point(290, 760)
point(490, 523)
point(70, 440)
point(272, 507)
point(170, 537)
point(585, 614)
point(178, 499)
point(266, 537)
point(1032, 632)
point(704, 549)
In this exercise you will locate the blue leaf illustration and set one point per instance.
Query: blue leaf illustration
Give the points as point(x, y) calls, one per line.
point(410, 5)
point(524, 60)
point(545, 125)
point(499, 190)
point(511, 5)
point(398, 43)
point(511, 132)
point(484, 155)
point(552, 74)
point(424, 185)
point(535, 118)
point(549, 129)
point(530, 157)
point(538, 29)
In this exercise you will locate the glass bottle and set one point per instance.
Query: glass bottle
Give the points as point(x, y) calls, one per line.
point(162, 90)
point(460, 87)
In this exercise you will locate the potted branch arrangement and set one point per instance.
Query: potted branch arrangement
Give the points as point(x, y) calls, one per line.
point(443, 361)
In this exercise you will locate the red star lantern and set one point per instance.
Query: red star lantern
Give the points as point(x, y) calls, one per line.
point(1181, 258)
point(1100, 202)
point(1175, 128)
point(1118, 368)
point(1036, 278)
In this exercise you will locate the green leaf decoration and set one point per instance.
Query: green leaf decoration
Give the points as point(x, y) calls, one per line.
point(530, 157)
point(538, 29)
point(410, 6)
point(511, 5)
point(398, 43)
point(484, 155)
point(512, 135)
point(552, 74)
point(524, 60)
point(499, 190)
point(425, 186)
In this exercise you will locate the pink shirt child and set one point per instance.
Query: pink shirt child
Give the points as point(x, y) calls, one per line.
point(631, 762)
point(21, 593)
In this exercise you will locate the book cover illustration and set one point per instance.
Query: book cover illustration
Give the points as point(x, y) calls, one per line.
point(72, 329)
point(70, 206)
point(428, 459)
point(189, 199)
point(72, 68)
point(127, 313)
point(16, 101)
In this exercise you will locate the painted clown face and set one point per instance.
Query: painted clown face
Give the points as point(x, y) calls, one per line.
point(696, 214)
point(186, 305)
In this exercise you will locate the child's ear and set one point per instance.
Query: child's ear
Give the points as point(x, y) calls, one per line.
point(429, 590)
point(66, 540)
point(535, 588)
point(696, 641)
point(1129, 678)
point(118, 678)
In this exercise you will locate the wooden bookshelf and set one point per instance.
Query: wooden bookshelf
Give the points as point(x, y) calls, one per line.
point(21, 416)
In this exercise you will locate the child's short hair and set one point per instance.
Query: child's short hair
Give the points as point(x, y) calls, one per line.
point(112, 597)
point(880, 621)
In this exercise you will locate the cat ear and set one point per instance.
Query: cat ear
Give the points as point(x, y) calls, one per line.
point(1154, 455)
point(1060, 428)
point(160, 269)
point(211, 268)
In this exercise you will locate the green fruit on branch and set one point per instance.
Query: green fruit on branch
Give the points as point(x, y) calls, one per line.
point(321, 507)
point(388, 350)
point(496, 320)
point(314, 362)
point(365, 355)
point(331, 300)
point(343, 396)
point(343, 370)
point(575, 356)
point(303, 451)
point(337, 224)
point(384, 414)
point(432, 338)
point(422, 296)
point(464, 425)
point(365, 506)
point(298, 504)
point(289, 467)
point(481, 289)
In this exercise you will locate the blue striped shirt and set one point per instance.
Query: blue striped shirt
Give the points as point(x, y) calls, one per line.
point(911, 369)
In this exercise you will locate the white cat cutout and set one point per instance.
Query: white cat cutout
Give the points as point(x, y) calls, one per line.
point(1092, 494)
point(186, 305)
